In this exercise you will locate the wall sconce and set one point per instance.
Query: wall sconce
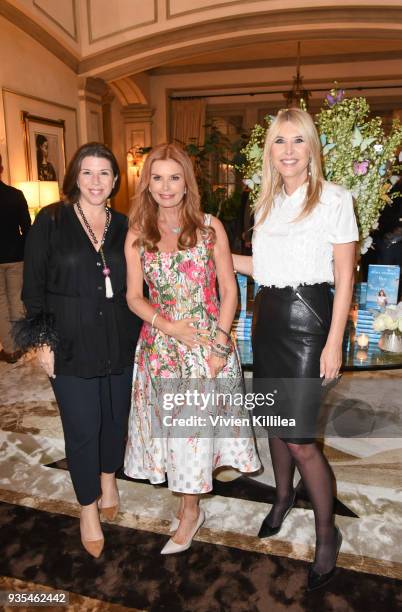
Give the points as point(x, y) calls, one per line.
point(39, 194)
point(136, 158)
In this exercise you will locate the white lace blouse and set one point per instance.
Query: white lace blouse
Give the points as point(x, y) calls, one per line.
point(287, 253)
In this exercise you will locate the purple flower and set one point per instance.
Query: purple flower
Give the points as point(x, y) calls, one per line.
point(360, 168)
point(332, 100)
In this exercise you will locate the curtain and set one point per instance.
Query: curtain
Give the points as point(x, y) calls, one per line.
point(188, 121)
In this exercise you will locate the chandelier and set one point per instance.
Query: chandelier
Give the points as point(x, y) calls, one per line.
point(297, 96)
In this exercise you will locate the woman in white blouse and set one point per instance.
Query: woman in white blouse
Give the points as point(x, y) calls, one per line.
point(304, 241)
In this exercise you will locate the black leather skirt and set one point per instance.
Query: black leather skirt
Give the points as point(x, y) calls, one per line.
point(290, 330)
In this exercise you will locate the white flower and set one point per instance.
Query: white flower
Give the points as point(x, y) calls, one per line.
point(378, 148)
point(256, 178)
point(375, 225)
point(249, 183)
point(367, 242)
point(379, 324)
point(389, 322)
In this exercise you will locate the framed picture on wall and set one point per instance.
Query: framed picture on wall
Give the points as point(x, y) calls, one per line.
point(45, 148)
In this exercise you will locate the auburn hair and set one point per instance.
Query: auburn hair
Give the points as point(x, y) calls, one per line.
point(272, 181)
point(143, 215)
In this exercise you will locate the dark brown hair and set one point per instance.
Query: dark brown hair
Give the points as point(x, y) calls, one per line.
point(143, 217)
point(71, 190)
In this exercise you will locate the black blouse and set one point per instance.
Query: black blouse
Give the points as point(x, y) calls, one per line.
point(63, 279)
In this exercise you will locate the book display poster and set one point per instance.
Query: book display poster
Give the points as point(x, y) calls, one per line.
point(382, 286)
point(242, 281)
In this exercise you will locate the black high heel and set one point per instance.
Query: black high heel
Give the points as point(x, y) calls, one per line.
point(316, 580)
point(266, 531)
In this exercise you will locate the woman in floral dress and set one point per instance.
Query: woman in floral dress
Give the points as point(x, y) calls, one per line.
point(181, 253)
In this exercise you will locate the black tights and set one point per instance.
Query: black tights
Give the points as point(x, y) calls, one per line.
point(318, 480)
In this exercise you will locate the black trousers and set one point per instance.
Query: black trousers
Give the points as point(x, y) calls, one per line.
point(94, 413)
point(290, 331)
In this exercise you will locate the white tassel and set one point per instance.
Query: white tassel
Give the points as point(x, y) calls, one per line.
point(109, 288)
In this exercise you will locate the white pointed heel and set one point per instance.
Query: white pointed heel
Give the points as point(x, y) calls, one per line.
point(174, 525)
point(172, 547)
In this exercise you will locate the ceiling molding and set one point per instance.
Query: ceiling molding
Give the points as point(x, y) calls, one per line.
point(128, 92)
point(334, 58)
point(38, 33)
point(352, 83)
point(92, 39)
point(383, 97)
point(22, 94)
point(58, 23)
point(170, 15)
point(381, 23)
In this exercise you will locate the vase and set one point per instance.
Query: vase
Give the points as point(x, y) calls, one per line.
point(391, 341)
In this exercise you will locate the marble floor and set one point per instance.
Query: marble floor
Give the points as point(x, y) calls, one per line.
point(367, 467)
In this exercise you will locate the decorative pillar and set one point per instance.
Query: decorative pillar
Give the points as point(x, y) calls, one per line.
point(90, 95)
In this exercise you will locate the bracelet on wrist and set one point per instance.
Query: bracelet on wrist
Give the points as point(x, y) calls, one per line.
point(153, 319)
point(214, 351)
point(225, 333)
point(222, 348)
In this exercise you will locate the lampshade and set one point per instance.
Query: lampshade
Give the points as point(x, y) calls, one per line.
point(39, 193)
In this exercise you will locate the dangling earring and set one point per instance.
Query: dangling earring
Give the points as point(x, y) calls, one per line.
point(309, 168)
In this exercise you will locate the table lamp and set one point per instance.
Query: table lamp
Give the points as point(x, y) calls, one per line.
point(39, 194)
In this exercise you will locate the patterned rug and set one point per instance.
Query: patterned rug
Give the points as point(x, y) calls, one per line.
point(228, 568)
point(44, 548)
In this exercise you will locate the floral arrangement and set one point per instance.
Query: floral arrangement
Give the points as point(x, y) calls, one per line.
point(356, 153)
point(390, 319)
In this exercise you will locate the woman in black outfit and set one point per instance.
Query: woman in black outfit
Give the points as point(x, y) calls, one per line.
point(303, 241)
point(85, 336)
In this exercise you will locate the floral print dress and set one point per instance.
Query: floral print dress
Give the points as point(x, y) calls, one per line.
point(182, 284)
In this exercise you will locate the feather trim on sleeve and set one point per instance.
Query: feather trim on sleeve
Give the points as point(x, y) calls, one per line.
point(36, 331)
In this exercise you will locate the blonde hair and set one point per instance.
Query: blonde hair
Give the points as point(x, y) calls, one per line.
point(271, 179)
point(143, 215)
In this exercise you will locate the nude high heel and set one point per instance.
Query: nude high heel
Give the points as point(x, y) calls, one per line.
point(93, 547)
point(172, 547)
point(110, 512)
point(174, 524)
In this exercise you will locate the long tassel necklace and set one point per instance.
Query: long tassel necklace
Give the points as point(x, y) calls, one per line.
point(106, 269)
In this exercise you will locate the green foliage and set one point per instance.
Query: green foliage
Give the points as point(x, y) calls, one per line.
point(218, 149)
point(356, 153)
point(359, 155)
